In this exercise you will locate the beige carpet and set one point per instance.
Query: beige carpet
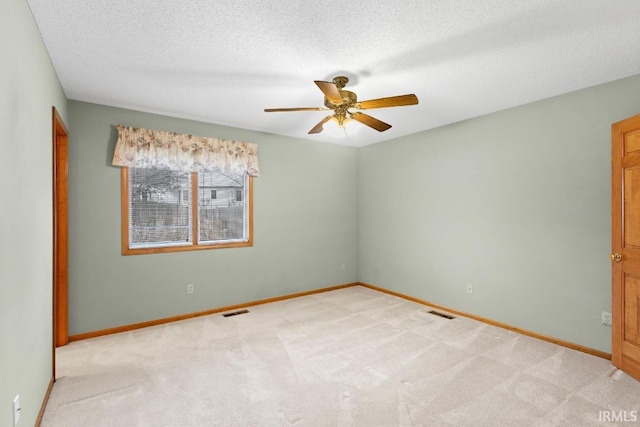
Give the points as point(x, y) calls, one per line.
point(351, 357)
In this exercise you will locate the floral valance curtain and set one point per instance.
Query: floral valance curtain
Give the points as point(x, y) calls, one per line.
point(153, 149)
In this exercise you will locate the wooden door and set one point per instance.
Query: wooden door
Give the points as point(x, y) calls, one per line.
point(625, 257)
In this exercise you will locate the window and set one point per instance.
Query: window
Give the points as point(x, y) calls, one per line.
point(167, 211)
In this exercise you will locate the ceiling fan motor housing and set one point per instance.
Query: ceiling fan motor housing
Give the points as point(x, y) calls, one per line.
point(348, 100)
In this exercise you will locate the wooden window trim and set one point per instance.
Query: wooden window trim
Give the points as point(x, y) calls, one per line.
point(124, 212)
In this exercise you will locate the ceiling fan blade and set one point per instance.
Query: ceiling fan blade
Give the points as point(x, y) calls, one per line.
point(318, 128)
point(392, 101)
point(274, 110)
point(372, 122)
point(330, 90)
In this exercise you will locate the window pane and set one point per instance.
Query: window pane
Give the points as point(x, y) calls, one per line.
point(222, 217)
point(159, 207)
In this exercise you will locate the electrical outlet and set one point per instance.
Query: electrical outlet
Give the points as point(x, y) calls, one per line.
point(469, 288)
point(190, 288)
point(16, 410)
point(344, 267)
point(606, 318)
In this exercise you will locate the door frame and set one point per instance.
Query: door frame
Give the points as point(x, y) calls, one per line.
point(60, 234)
point(616, 245)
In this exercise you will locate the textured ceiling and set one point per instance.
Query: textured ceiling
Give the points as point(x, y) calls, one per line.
point(225, 61)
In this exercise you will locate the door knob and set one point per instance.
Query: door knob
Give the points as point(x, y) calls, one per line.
point(616, 257)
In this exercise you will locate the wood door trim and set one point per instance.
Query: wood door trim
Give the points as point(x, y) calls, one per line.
point(60, 233)
point(616, 243)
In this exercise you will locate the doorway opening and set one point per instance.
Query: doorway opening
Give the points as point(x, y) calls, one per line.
point(60, 235)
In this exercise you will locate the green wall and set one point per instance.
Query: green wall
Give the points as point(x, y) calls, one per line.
point(516, 203)
point(305, 227)
point(29, 88)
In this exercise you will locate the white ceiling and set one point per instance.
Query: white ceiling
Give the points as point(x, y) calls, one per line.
point(225, 61)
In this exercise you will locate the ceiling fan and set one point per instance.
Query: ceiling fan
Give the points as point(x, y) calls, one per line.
point(343, 102)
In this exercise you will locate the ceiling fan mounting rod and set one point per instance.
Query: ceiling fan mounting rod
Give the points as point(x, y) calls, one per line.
point(340, 81)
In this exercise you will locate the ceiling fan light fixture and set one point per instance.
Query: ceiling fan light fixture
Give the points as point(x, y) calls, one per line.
point(338, 131)
point(344, 122)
